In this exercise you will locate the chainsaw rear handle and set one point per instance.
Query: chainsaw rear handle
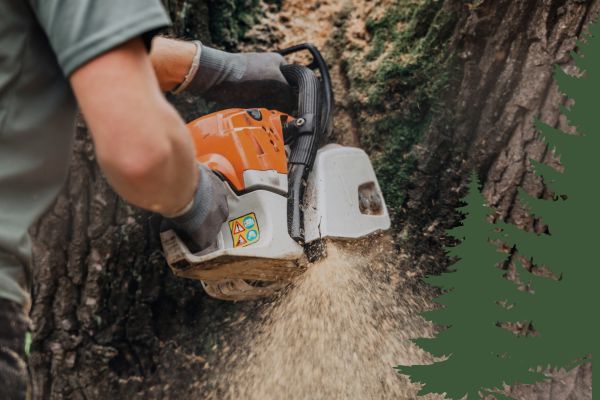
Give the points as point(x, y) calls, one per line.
point(307, 130)
point(312, 125)
point(318, 63)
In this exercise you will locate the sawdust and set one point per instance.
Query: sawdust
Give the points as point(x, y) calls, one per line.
point(297, 22)
point(336, 334)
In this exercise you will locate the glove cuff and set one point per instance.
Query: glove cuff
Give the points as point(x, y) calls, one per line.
point(216, 67)
point(203, 220)
point(193, 71)
point(201, 203)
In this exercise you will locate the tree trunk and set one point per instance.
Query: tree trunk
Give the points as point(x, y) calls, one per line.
point(110, 319)
point(508, 51)
point(496, 77)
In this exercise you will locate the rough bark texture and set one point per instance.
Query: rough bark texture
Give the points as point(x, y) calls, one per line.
point(110, 319)
point(497, 62)
point(501, 57)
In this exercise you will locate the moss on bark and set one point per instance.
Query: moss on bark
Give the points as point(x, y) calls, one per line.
point(230, 19)
point(396, 85)
point(222, 23)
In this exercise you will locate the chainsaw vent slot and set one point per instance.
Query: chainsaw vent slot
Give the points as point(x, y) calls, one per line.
point(369, 199)
point(272, 139)
point(259, 149)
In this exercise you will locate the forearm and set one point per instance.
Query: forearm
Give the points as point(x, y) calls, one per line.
point(171, 60)
point(160, 176)
point(141, 142)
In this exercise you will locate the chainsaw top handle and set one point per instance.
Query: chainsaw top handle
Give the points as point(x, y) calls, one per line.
point(312, 124)
point(318, 63)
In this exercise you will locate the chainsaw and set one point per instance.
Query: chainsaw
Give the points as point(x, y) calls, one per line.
point(286, 192)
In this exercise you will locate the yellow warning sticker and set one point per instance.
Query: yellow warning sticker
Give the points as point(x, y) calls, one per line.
point(244, 230)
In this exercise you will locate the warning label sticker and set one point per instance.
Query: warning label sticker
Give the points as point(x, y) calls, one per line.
point(244, 230)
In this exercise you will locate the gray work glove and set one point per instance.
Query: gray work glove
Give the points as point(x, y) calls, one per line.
point(245, 80)
point(199, 226)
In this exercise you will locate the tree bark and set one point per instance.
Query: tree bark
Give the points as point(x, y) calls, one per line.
point(501, 58)
point(507, 53)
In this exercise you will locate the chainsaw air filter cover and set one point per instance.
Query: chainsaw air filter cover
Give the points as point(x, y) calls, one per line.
point(343, 199)
point(239, 143)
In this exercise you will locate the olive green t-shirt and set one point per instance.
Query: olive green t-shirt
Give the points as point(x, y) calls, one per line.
point(41, 43)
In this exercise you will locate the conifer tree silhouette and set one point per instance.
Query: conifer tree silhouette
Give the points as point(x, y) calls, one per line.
point(480, 353)
point(565, 311)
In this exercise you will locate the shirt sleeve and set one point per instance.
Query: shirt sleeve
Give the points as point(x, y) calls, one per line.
point(81, 30)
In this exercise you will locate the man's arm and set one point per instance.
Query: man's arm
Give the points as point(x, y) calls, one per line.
point(141, 142)
point(171, 60)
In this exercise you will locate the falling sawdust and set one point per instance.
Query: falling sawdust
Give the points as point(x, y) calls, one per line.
point(336, 334)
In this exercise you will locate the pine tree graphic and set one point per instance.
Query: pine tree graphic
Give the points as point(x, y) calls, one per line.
point(480, 355)
point(479, 352)
point(565, 310)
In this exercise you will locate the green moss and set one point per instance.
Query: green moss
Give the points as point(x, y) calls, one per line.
point(393, 163)
point(221, 23)
point(395, 103)
point(231, 19)
point(190, 19)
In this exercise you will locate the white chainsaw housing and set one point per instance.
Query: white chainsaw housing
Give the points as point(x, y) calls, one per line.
point(342, 200)
point(274, 242)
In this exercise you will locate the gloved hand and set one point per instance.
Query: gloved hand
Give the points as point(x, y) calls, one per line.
point(244, 80)
point(200, 225)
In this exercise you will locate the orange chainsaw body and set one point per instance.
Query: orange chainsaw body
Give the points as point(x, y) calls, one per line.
point(237, 140)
